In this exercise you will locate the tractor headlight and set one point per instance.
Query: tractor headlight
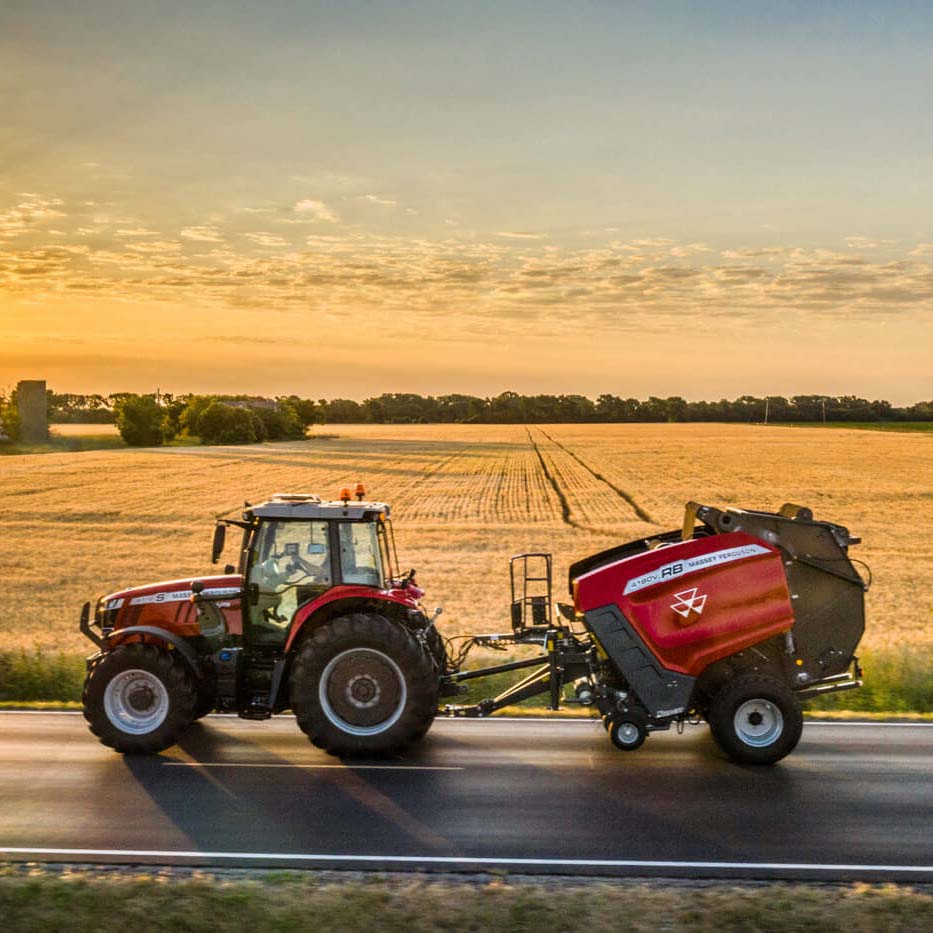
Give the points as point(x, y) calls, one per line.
point(105, 616)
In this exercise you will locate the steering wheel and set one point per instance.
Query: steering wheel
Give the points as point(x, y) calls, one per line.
point(291, 580)
point(306, 570)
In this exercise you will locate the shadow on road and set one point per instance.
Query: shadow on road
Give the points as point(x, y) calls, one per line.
point(229, 793)
point(232, 787)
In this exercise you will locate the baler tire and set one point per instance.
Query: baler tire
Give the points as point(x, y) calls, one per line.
point(345, 668)
point(627, 733)
point(150, 673)
point(756, 719)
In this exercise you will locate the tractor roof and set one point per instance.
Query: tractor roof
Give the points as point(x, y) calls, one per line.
point(294, 505)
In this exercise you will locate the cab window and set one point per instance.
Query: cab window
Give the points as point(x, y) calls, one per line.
point(360, 557)
point(291, 565)
point(292, 552)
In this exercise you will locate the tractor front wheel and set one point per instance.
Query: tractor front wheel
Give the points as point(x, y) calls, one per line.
point(203, 705)
point(139, 698)
point(756, 719)
point(362, 685)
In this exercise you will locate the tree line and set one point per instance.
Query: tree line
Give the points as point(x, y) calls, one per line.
point(150, 420)
point(512, 408)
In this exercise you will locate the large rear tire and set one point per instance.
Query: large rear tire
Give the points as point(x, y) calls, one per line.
point(756, 719)
point(139, 698)
point(362, 685)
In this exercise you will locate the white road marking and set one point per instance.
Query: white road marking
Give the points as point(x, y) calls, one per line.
point(40, 712)
point(309, 767)
point(886, 725)
point(467, 860)
point(585, 721)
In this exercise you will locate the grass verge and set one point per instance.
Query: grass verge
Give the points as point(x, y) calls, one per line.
point(74, 443)
point(895, 682)
point(30, 676)
point(40, 899)
point(68, 444)
point(912, 427)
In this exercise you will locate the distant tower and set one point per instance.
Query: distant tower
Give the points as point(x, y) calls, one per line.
point(33, 411)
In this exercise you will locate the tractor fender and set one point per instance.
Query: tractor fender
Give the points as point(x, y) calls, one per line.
point(176, 641)
point(344, 600)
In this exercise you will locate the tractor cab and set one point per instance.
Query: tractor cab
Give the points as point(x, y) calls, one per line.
point(298, 548)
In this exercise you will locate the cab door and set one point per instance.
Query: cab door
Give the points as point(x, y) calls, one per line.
point(291, 564)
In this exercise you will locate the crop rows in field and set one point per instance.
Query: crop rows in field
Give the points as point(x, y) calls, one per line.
point(465, 497)
point(531, 479)
point(588, 499)
point(482, 486)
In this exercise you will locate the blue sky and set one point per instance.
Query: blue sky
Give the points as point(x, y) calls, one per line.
point(552, 197)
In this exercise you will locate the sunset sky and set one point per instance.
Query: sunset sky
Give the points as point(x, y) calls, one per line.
point(341, 199)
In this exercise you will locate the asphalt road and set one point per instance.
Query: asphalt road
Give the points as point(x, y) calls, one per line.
point(855, 801)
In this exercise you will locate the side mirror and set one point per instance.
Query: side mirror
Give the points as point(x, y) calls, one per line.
point(220, 536)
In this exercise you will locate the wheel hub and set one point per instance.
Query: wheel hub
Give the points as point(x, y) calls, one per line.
point(136, 702)
point(141, 698)
point(628, 733)
point(758, 723)
point(362, 691)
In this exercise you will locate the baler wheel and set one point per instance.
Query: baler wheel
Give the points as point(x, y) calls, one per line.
point(627, 732)
point(362, 685)
point(756, 719)
point(139, 698)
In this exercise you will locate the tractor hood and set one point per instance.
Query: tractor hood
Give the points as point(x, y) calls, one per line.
point(167, 605)
point(171, 592)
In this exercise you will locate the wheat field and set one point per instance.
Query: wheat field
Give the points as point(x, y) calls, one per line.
point(464, 498)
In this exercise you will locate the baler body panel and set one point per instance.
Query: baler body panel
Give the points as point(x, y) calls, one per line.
point(696, 601)
point(828, 592)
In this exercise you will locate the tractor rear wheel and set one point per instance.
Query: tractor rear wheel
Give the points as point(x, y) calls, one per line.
point(362, 685)
point(756, 719)
point(436, 649)
point(139, 698)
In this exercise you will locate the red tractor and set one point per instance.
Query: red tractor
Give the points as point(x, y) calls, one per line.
point(735, 619)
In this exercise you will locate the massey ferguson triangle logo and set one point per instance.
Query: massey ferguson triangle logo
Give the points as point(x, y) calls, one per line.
point(689, 601)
